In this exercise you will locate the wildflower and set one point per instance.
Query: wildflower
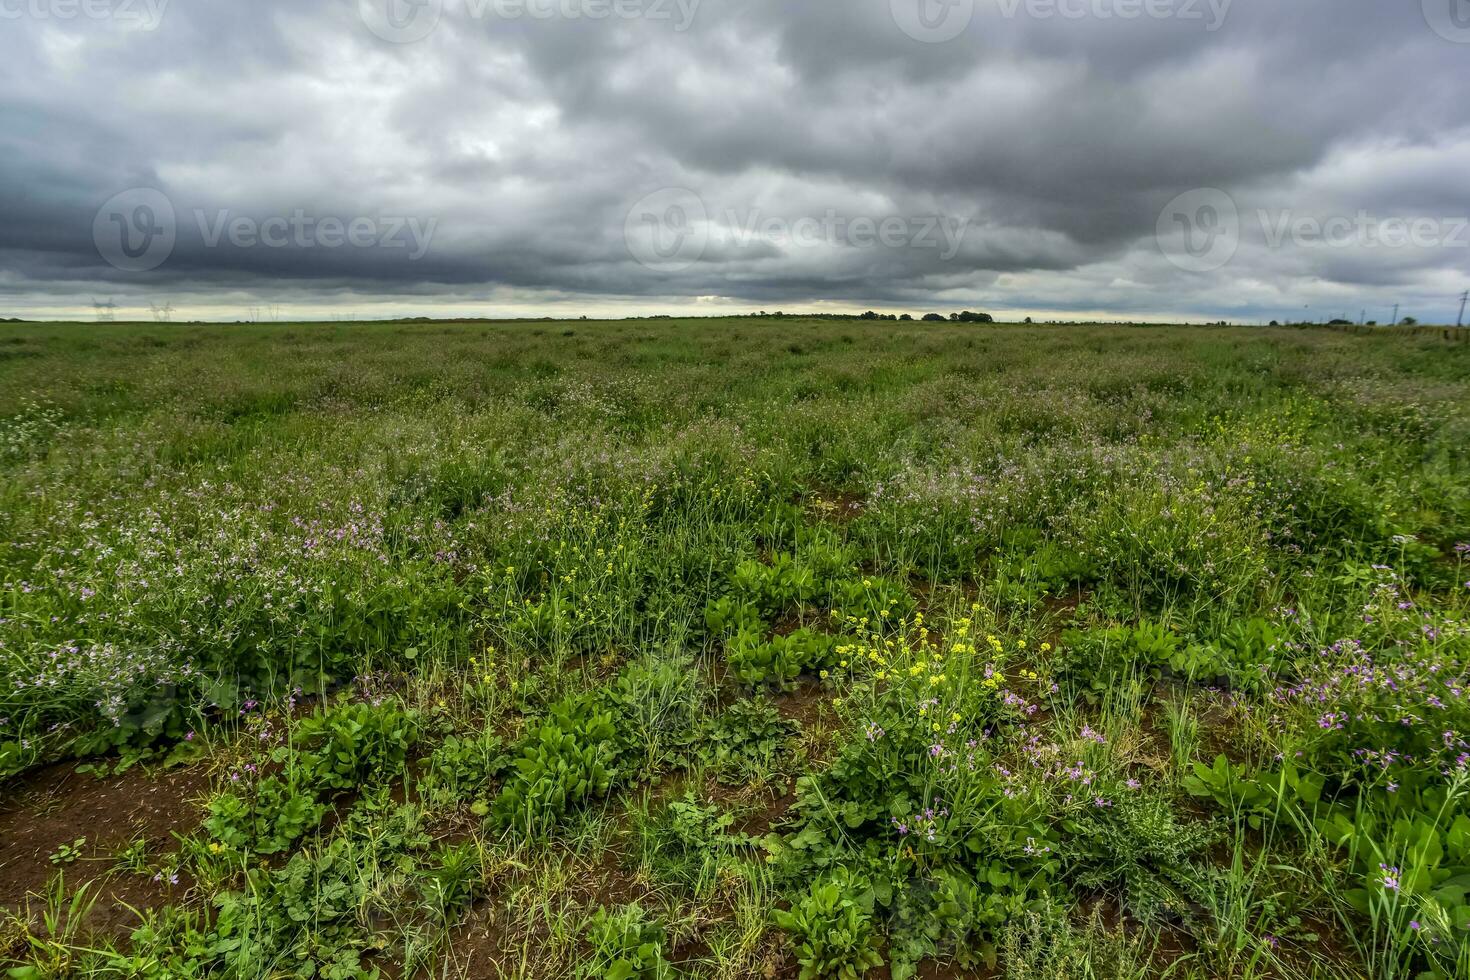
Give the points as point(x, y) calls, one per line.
point(1390, 878)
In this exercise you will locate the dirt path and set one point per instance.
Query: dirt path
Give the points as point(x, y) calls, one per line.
point(56, 806)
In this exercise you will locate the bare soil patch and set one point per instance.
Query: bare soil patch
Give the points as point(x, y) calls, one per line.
point(55, 806)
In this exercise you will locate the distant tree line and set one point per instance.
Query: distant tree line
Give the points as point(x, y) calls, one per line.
point(965, 317)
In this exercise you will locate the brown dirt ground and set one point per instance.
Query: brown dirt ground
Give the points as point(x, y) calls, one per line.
point(42, 810)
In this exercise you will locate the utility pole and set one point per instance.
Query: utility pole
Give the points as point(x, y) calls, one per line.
point(1460, 321)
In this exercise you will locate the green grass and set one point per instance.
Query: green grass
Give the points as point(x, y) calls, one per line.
point(722, 647)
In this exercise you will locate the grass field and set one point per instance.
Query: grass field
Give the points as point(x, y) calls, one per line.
point(733, 648)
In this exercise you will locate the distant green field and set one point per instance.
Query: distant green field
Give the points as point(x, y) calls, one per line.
point(732, 648)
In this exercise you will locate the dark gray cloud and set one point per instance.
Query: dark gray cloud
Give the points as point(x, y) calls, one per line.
point(781, 154)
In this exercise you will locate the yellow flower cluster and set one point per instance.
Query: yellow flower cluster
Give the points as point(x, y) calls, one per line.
point(932, 663)
point(489, 665)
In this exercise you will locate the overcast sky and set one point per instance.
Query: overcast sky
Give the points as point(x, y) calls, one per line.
point(1199, 159)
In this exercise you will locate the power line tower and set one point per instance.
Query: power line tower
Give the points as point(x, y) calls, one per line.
point(1395, 314)
point(106, 312)
point(1460, 320)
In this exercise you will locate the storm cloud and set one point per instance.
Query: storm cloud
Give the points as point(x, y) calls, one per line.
point(1131, 158)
